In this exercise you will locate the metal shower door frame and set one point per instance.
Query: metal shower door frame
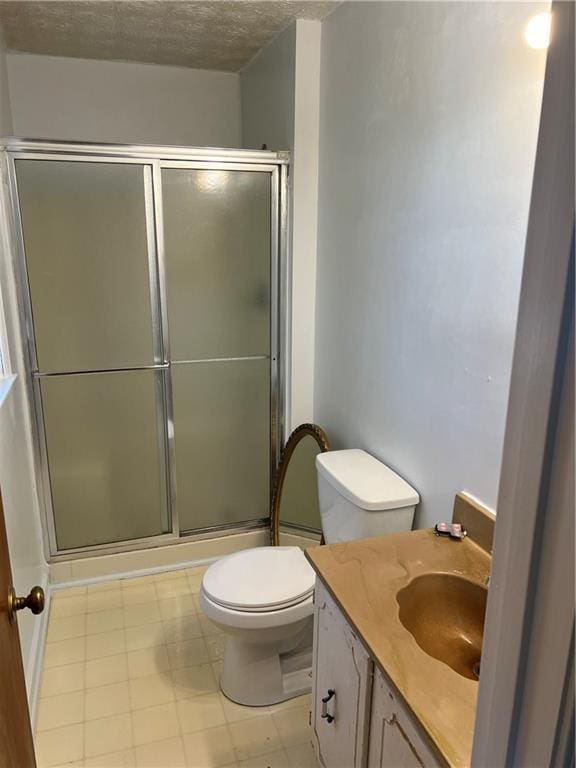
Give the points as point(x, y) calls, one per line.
point(153, 159)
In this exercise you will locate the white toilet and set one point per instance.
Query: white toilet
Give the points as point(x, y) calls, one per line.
point(262, 598)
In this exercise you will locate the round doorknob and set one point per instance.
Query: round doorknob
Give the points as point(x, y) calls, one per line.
point(34, 601)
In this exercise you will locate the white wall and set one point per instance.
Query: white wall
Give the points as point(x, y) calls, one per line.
point(429, 118)
point(106, 101)
point(280, 108)
point(17, 481)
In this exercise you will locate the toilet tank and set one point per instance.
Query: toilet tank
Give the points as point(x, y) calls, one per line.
point(361, 497)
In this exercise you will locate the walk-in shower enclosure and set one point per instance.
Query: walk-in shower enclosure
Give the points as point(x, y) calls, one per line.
point(151, 293)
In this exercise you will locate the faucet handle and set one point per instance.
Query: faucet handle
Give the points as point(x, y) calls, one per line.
point(451, 530)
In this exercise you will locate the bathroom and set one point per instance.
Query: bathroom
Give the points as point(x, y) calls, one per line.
point(396, 171)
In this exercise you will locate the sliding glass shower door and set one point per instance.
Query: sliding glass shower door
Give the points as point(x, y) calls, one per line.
point(151, 290)
point(88, 256)
point(218, 268)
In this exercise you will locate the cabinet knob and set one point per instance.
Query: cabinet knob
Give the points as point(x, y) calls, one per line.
point(325, 714)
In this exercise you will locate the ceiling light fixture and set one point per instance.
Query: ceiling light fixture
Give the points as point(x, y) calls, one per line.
point(537, 31)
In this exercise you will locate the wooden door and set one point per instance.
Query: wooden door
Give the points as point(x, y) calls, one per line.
point(16, 744)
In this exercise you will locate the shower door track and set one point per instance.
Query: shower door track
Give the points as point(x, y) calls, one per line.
point(153, 159)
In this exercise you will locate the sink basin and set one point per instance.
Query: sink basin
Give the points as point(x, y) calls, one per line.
point(445, 615)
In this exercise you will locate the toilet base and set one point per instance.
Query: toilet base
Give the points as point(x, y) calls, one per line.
point(260, 674)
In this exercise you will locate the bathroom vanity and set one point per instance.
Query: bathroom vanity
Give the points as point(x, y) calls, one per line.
point(382, 607)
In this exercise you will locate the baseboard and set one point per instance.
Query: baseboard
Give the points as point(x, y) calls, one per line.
point(35, 662)
point(88, 580)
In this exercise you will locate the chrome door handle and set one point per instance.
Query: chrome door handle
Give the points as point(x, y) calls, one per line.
point(325, 714)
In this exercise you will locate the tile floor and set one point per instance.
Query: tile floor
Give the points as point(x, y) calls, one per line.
point(130, 679)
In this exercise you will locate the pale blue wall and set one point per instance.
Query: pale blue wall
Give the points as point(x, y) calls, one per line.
point(429, 118)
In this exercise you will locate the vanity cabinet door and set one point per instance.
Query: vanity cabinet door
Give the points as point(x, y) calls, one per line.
point(342, 673)
point(394, 741)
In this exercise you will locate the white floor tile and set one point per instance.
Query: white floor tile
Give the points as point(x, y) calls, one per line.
point(182, 628)
point(138, 594)
point(64, 594)
point(155, 724)
point(208, 627)
point(150, 691)
point(105, 644)
point(104, 621)
point(111, 669)
point(167, 590)
point(293, 726)
point(104, 586)
point(65, 652)
point(297, 701)
point(60, 745)
point(126, 758)
point(195, 581)
point(274, 760)
point(170, 575)
point(178, 606)
point(107, 700)
point(148, 661)
point(211, 748)
point(194, 681)
point(57, 711)
point(215, 645)
point(144, 636)
point(200, 713)
point(187, 653)
point(236, 712)
point(104, 601)
point(110, 734)
point(64, 679)
point(168, 753)
point(144, 613)
point(71, 606)
point(302, 756)
point(255, 737)
point(67, 628)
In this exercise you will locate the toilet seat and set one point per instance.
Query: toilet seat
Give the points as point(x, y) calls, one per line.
point(260, 580)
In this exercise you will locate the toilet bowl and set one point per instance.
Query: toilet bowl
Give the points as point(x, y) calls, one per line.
point(262, 599)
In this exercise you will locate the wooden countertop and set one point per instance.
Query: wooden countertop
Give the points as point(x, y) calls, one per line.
point(364, 577)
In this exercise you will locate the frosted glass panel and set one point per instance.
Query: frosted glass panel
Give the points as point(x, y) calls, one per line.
point(86, 250)
point(217, 240)
point(222, 439)
point(106, 457)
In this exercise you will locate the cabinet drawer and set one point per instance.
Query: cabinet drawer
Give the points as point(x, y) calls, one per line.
point(342, 677)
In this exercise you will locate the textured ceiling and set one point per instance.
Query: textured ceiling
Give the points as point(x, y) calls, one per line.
point(215, 34)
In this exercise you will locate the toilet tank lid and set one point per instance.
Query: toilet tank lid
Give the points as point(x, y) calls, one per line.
point(365, 481)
